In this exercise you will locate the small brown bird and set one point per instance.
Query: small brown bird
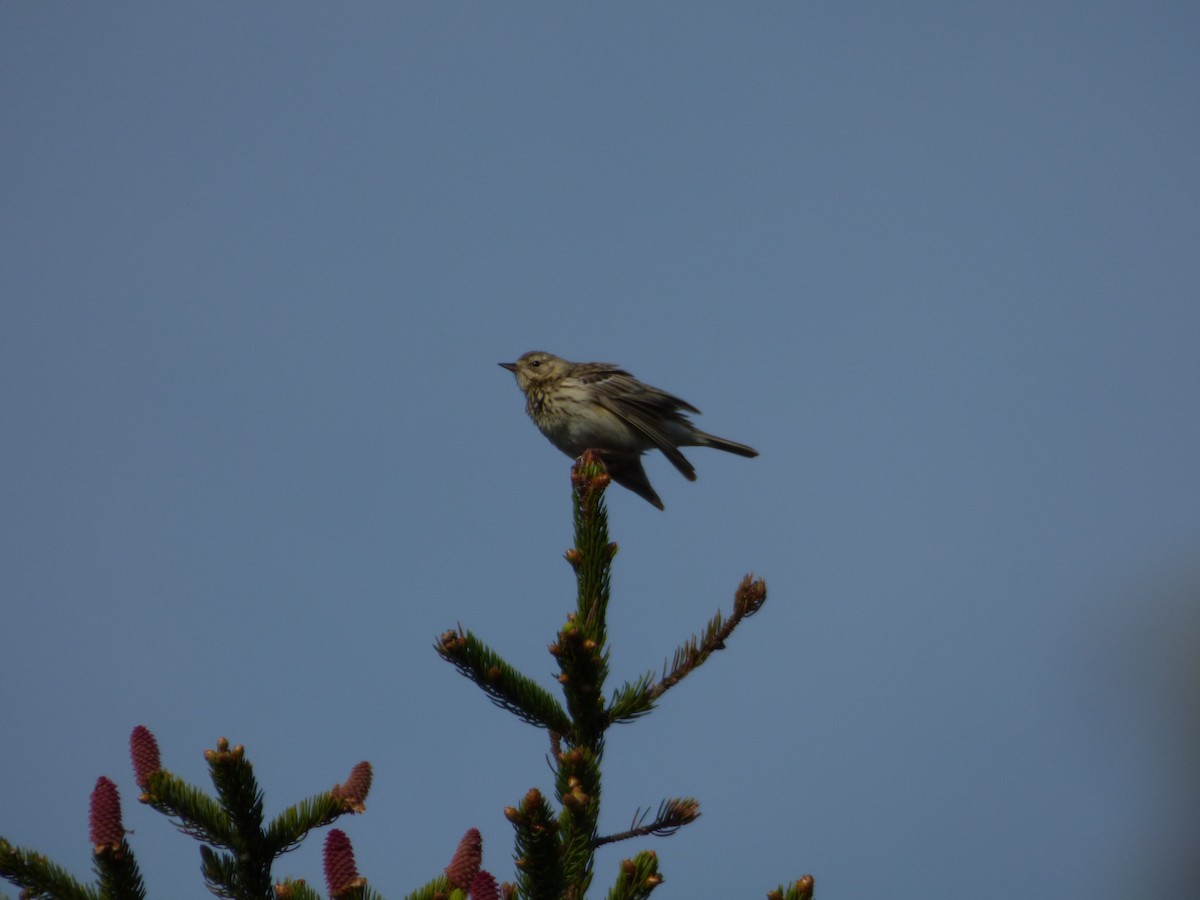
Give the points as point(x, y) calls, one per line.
point(600, 407)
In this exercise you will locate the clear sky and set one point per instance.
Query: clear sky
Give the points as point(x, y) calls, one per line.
point(938, 262)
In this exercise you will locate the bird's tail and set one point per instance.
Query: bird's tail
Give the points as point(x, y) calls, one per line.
point(711, 440)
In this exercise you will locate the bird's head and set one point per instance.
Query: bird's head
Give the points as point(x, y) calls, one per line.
point(537, 368)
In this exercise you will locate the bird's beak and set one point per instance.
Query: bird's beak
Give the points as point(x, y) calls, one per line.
point(512, 367)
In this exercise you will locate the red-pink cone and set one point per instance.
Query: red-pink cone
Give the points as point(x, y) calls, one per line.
point(341, 874)
point(464, 865)
point(104, 816)
point(483, 887)
point(143, 750)
point(353, 791)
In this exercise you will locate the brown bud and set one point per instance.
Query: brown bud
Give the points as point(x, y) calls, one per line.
point(751, 594)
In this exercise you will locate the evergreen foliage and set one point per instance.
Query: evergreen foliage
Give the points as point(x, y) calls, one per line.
point(555, 844)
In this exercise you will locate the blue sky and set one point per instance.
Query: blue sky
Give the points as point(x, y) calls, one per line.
point(938, 264)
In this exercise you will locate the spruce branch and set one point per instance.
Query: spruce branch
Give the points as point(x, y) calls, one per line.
point(38, 877)
point(291, 826)
point(583, 666)
point(242, 805)
point(638, 877)
point(193, 812)
point(288, 829)
point(220, 871)
point(538, 856)
point(592, 554)
point(577, 785)
point(504, 685)
point(120, 878)
point(237, 788)
point(632, 700)
point(748, 599)
point(581, 648)
point(672, 815)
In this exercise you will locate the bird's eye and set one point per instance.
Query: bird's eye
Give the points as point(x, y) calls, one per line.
point(535, 363)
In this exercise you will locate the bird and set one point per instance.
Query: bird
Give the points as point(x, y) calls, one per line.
point(600, 407)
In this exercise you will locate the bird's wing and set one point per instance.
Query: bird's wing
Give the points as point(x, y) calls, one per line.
point(644, 413)
point(616, 382)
